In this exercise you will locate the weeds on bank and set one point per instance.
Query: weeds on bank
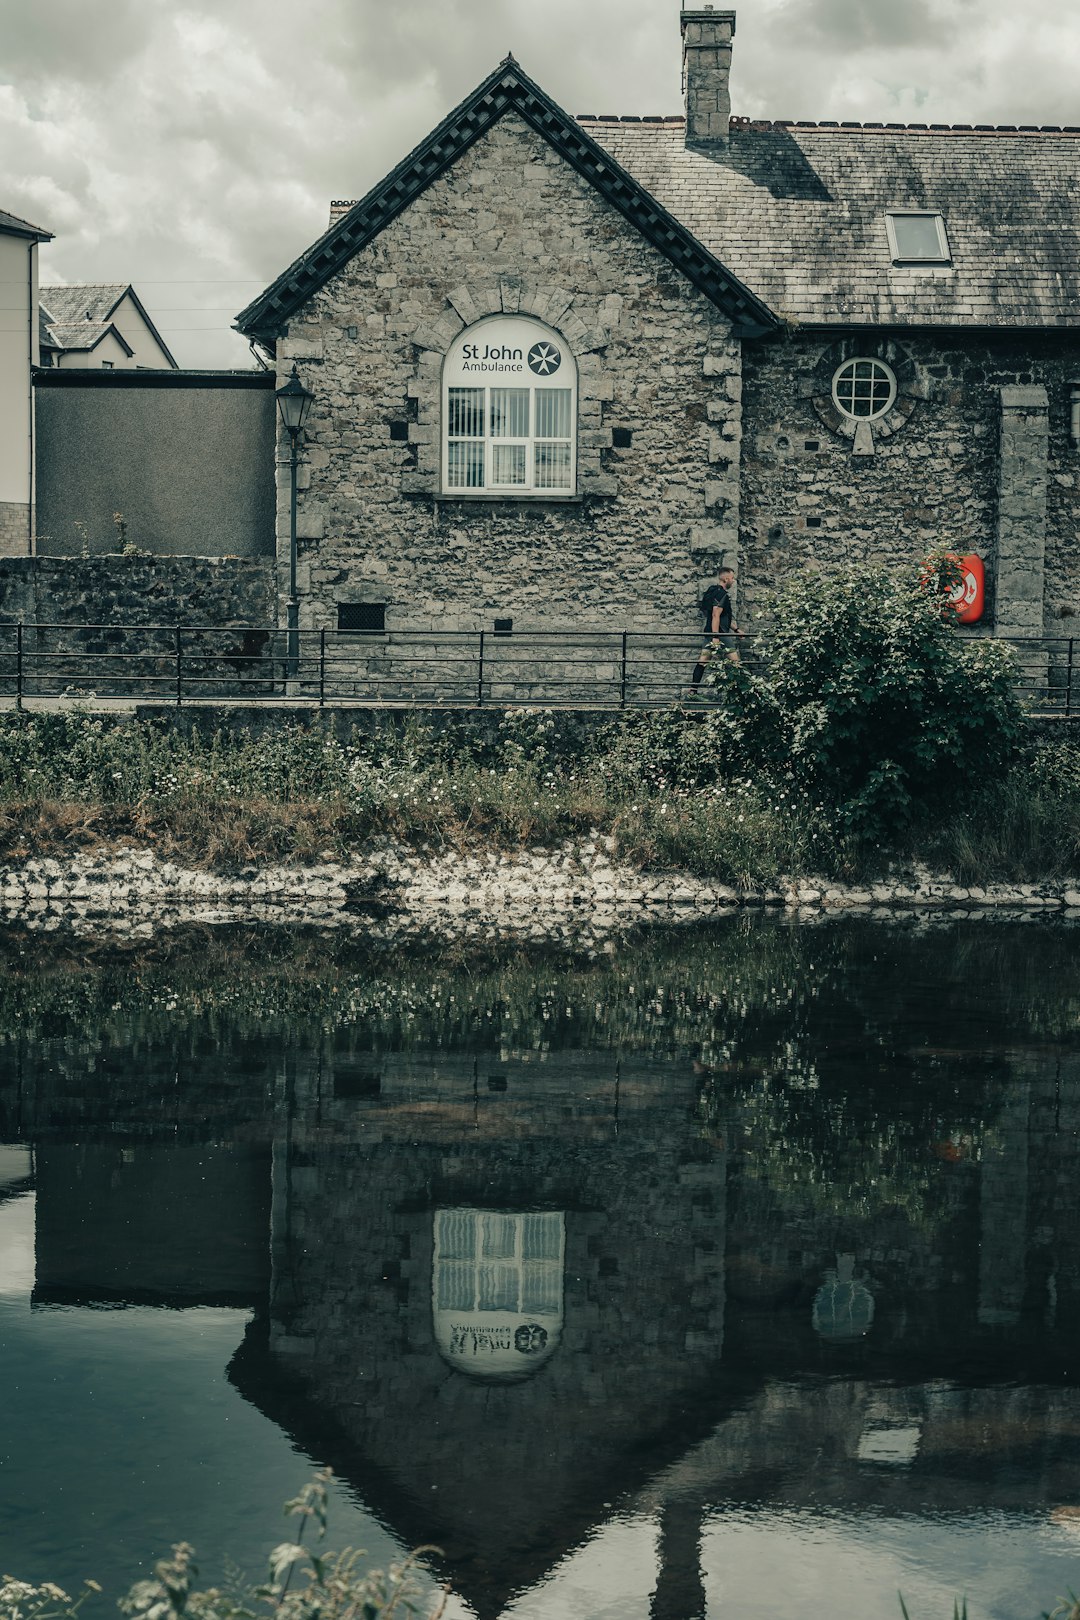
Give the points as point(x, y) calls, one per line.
point(662, 786)
point(305, 1582)
point(75, 780)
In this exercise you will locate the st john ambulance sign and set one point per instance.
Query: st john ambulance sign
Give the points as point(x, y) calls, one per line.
point(506, 348)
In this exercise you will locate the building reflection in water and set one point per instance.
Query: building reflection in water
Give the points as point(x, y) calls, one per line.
point(513, 1292)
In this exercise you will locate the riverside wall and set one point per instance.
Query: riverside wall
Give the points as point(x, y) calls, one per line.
point(579, 891)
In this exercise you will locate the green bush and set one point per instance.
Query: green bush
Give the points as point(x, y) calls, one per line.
point(872, 702)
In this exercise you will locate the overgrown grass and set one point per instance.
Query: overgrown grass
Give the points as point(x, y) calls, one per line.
point(73, 781)
point(661, 786)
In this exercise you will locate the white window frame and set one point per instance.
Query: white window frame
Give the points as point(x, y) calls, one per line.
point(944, 253)
point(864, 359)
point(502, 331)
point(512, 1264)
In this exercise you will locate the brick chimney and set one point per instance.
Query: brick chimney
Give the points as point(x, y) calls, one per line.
point(707, 36)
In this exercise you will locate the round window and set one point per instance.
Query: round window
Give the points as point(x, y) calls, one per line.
point(863, 389)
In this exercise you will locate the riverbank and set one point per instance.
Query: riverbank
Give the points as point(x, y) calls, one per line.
point(657, 793)
point(577, 890)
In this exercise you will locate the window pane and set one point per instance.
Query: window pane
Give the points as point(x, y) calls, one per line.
point(455, 1234)
point(509, 413)
point(465, 413)
point(541, 1287)
point(553, 413)
point(508, 464)
point(553, 466)
point(465, 465)
point(500, 1235)
point(917, 236)
point(497, 1287)
point(542, 1237)
point(454, 1281)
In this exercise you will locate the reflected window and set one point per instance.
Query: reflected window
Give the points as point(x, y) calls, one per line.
point(497, 1289)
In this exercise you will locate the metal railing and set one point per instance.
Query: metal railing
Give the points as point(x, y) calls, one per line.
point(618, 669)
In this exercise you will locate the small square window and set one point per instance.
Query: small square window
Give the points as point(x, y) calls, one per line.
point(504, 627)
point(361, 616)
point(399, 432)
point(917, 237)
point(622, 438)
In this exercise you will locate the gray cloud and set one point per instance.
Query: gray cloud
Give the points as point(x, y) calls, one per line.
point(192, 147)
point(855, 25)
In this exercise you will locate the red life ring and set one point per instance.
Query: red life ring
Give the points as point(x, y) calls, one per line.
point(969, 597)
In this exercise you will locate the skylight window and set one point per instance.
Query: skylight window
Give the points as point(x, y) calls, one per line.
point(917, 237)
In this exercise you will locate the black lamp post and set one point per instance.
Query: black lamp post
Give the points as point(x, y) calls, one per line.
point(294, 403)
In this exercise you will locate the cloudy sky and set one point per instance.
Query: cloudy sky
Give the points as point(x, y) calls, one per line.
point(191, 146)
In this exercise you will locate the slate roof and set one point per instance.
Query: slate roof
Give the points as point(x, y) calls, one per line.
point(88, 304)
point(14, 226)
point(95, 300)
point(79, 335)
point(797, 212)
point(507, 89)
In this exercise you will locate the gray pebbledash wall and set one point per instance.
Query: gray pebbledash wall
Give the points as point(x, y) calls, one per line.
point(961, 468)
point(185, 458)
point(512, 228)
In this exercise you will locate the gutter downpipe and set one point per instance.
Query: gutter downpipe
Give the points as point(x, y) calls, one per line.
point(32, 318)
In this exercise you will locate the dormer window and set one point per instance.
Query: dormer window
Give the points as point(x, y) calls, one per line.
point(917, 237)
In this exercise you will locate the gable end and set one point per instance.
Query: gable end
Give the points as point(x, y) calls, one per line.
point(506, 89)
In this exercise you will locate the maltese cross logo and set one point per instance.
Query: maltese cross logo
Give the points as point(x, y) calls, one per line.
point(544, 358)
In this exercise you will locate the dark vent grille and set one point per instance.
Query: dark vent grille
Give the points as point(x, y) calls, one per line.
point(361, 616)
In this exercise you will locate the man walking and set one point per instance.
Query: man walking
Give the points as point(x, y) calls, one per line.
point(719, 625)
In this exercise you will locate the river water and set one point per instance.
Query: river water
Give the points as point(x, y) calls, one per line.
point(731, 1272)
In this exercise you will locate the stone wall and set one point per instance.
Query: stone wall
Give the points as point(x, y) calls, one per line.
point(86, 603)
point(932, 480)
point(511, 228)
point(183, 459)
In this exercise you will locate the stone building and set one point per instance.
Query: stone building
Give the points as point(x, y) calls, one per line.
point(563, 366)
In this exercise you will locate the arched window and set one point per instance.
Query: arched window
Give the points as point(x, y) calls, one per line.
point(509, 411)
point(497, 1290)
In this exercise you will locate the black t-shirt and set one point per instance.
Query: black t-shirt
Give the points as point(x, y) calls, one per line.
point(716, 596)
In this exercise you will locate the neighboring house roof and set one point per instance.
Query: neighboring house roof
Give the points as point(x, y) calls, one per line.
point(95, 302)
point(797, 210)
point(45, 337)
point(12, 225)
point(507, 89)
point(79, 336)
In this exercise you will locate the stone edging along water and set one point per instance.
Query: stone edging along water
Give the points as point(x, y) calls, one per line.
point(389, 889)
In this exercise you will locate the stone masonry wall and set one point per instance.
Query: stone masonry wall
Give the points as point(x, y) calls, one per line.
point(808, 500)
point(86, 603)
point(512, 228)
